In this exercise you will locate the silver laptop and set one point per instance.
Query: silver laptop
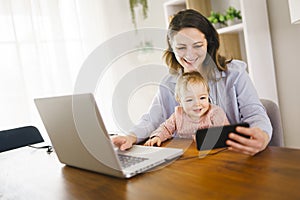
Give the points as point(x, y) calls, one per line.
point(80, 139)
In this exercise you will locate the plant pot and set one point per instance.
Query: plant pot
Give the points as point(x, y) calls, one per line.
point(234, 21)
point(219, 25)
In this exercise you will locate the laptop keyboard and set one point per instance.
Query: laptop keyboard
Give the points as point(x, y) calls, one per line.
point(127, 161)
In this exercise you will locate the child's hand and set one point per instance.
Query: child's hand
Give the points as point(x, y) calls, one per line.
point(151, 142)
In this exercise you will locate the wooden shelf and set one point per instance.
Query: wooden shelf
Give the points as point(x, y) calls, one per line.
point(175, 2)
point(231, 29)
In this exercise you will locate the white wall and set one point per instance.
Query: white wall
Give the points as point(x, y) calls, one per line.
point(118, 22)
point(286, 48)
point(118, 16)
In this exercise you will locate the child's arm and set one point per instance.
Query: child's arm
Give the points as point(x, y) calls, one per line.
point(163, 132)
point(152, 141)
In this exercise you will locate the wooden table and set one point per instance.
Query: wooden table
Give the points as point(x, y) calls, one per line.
point(31, 174)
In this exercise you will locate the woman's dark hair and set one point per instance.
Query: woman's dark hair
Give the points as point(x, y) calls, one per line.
point(192, 19)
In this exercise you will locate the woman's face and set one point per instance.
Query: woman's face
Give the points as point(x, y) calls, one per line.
point(190, 47)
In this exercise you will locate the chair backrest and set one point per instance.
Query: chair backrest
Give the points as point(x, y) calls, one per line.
point(19, 137)
point(275, 118)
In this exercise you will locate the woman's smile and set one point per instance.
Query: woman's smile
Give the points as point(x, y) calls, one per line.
point(190, 47)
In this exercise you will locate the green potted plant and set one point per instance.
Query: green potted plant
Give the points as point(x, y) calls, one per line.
point(233, 16)
point(217, 19)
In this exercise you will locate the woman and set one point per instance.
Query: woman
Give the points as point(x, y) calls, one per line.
point(193, 45)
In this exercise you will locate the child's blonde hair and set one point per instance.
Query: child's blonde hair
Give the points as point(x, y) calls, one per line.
point(187, 78)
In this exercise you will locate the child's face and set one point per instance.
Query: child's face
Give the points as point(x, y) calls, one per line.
point(194, 100)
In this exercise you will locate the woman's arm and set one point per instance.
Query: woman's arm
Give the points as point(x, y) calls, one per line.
point(252, 111)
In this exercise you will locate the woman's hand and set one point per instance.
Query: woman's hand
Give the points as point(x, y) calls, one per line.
point(151, 142)
point(124, 142)
point(258, 141)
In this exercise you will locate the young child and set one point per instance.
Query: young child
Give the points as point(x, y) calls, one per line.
point(194, 111)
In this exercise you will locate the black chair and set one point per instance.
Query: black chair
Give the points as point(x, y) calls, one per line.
point(19, 137)
point(275, 118)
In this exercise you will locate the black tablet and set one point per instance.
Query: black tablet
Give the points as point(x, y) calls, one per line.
point(215, 137)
